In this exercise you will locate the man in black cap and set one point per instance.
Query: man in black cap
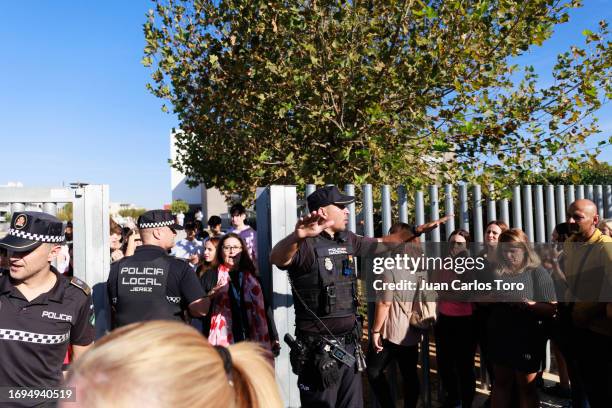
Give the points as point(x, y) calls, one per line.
point(319, 258)
point(41, 311)
point(152, 284)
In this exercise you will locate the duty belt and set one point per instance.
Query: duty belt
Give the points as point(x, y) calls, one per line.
point(312, 338)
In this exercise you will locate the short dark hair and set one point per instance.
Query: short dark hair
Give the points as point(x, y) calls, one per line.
point(400, 226)
point(463, 233)
point(190, 226)
point(214, 220)
point(237, 209)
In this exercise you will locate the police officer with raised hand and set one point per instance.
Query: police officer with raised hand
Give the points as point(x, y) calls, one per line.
point(41, 311)
point(152, 284)
point(319, 258)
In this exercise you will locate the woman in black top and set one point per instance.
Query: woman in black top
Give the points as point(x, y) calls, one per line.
point(516, 334)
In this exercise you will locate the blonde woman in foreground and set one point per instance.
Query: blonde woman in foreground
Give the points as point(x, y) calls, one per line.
point(169, 364)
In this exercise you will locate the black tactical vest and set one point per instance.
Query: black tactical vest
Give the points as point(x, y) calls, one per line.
point(329, 289)
point(141, 291)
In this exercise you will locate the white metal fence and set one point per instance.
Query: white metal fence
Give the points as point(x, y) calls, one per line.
point(535, 209)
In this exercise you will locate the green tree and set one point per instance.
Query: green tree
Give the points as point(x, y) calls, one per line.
point(65, 213)
point(416, 91)
point(179, 206)
point(588, 172)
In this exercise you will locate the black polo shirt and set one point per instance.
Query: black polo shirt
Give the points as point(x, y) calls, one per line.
point(182, 284)
point(34, 335)
point(304, 262)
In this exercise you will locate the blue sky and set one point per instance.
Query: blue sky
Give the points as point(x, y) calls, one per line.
point(73, 103)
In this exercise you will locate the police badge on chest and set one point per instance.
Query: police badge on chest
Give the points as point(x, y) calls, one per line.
point(329, 265)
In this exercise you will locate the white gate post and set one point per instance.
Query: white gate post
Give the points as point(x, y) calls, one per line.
point(90, 215)
point(276, 218)
point(91, 249)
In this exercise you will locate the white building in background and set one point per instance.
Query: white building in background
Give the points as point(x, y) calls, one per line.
point(210, 200)
point(5, 208)
point(114, 208)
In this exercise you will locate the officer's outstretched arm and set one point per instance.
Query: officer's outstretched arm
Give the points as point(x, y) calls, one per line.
point(199, 308)
point(309, 226)
point(405, 235)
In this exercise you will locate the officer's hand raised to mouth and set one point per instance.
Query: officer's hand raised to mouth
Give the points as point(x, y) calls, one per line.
point(309, 226)
point(312, 225)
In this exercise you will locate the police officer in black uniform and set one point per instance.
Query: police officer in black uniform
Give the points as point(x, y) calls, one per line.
point(319, 258)
point(41, 311)
point(152, 284)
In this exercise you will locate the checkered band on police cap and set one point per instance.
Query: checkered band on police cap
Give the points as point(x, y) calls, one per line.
point(157, 219)
point(36, 237)
point(156, 224)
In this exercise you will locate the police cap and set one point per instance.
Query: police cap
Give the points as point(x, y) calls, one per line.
point(157, 219)
point(326, 196)
point(30, 229)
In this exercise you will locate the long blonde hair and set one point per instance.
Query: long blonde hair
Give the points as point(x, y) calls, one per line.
point(515, 236)
point(170, 364)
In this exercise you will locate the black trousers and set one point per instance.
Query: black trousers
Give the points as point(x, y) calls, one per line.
point(346, 393)
point(594, 360)
point(407, 358)
point(481, 318)
point(455, 351)
point(563, 333)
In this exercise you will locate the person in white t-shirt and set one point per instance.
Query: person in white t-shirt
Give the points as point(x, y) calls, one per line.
point(189, 247)
point(180, 218)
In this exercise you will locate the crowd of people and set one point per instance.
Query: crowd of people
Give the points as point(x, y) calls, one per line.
point(191, 322)
point(511, 329)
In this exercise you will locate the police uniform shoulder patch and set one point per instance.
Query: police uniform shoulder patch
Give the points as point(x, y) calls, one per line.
point(81, 285)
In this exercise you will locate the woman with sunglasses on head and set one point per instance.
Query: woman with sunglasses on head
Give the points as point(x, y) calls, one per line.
point(238, 311)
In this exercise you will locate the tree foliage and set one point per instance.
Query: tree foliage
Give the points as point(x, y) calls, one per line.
point(179, 206)
point(585, 173)
point(413, 91)
point(65, 213)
